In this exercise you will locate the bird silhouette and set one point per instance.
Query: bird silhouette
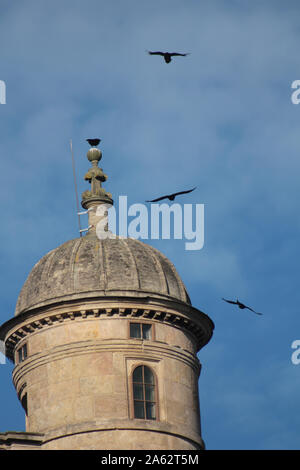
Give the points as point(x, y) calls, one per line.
point(171, 197)
point(167, 55)
point(240, 305)
point(93, 142)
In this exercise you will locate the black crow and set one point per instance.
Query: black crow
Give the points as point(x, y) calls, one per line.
point(171, 197)
point(166, 55)
point(240, 305)
point(93, 142)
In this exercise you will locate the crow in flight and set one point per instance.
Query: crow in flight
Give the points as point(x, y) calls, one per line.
point(166, 55)
point(171, 197)
point(240, 305)
point(93, 142)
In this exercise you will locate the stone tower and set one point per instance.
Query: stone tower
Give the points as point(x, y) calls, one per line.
point(105, 343)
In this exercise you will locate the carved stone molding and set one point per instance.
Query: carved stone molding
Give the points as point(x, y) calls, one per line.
point(189, 323)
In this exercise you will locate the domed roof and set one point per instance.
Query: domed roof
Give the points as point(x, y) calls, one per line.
point(90, 267)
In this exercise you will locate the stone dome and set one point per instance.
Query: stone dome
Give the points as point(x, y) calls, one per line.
point(88, 267)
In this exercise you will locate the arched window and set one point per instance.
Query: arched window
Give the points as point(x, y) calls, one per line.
point(144, 393)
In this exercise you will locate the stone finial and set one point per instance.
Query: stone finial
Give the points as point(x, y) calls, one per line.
point(97, 195)
point(95, 176)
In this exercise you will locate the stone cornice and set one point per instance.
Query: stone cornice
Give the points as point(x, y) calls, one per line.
point(14, 437)
point(189, 319)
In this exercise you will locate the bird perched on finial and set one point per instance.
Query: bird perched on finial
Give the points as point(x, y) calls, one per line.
point(240, 305)
point(171, 197)
point(167, 55)
point(93, 142)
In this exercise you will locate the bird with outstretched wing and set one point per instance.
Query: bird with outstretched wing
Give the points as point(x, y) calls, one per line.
point(171, 197)
point(167, 55)
point(241, 305)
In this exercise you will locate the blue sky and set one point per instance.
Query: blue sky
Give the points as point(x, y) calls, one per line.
point(220, 119)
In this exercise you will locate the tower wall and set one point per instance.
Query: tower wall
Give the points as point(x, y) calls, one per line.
point(85, 378)
point(76, 380)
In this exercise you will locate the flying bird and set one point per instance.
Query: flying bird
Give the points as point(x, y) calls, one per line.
point(167, 55)
point(171, 197)
point(240, 305)
point(93, 142)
